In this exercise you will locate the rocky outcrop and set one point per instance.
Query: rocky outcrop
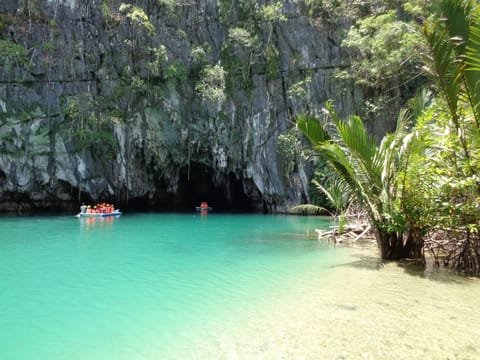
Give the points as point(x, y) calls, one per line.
point(160, 104)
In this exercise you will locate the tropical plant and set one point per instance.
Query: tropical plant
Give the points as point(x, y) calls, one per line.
point(453, 36)
point(369, 172)
point(140, 28)
point(243, 38)
point(89, 127)
point(288, 149)
point(212, 83)
point(335, 190)
point(12, 54)
point(160, 57)
point(199, 54)
point(138, 17)
point(386, 51)
point(177, 70)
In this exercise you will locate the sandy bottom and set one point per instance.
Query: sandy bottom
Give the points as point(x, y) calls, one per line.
point(363, 310)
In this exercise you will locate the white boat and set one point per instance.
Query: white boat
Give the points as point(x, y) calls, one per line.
point(95, 215)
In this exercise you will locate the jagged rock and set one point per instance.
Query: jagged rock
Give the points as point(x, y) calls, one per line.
point(119, 127)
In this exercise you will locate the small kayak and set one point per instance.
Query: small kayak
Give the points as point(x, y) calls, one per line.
point(99, 215)
point(199, 208)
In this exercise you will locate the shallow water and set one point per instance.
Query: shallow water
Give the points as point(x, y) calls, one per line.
point(150, 286)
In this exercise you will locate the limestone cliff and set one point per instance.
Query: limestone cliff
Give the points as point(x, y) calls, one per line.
point(160, 103)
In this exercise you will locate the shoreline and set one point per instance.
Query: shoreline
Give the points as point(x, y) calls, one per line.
point(365, 309)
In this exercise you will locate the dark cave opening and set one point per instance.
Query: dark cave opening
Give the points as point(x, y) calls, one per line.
point(196, 185)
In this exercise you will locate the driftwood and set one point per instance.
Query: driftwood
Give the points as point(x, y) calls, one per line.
point(350, 233)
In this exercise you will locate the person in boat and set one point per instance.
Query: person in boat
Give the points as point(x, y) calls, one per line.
point(204, 205)
point(100, 208)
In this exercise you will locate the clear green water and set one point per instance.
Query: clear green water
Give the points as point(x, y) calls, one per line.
point(150, 286)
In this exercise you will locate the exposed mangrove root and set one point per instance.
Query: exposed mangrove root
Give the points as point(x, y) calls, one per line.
point(455, 248)
point(348, 233)
point(458, 249)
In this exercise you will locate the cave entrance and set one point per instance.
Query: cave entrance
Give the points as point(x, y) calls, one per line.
point(196, 185)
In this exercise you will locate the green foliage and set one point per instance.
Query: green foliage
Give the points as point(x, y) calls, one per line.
point(137, 17)
point(382, 47)
point(249, 48)
point(89, 128)
point(243, 38)
point(273, 12)
point(351, 153)
point(308, 209)
point(452, 126)
point(420, 183)
point(444, 187)
point(340, 12)
point(335, 192)
point(299, 89)
point(386, 50)
point(225, 9)
point(272, 59)
point(137, 83)
point(177, 71)
point(169, 4)
point(160, 57)
point(106, 11)
point(48, 46)
point(368, 174)
point(30, 8)
point(237, 57)
point(327, 9)
point(288, 151)
point(250, 15)
point(199, 54)
point(6, 20)
point(109, 12)
point(13, 54)
point(417, 8)
point(455, 49)
point(237, 68)
point(211, 85)
point(298, 93)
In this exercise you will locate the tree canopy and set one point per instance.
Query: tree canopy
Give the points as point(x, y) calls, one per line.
point(420, 186)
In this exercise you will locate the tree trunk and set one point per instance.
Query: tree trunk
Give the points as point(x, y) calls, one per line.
point(395, 246)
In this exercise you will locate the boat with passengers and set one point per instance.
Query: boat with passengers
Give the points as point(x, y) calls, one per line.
point(100, 210)
point(204, 207)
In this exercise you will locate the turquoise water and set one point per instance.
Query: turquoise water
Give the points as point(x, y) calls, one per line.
point(170, 286)
point(140, 284)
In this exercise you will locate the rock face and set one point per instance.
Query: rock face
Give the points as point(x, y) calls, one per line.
point(160, 104)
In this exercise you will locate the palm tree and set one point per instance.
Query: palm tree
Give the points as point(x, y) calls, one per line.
point(368, 170)
point(453, 36)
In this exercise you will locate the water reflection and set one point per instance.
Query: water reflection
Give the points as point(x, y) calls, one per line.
point(90, 223)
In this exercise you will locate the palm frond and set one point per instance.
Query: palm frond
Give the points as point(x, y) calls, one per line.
point(472, 65)
point(338, 192)
point(456, 21)
point(362, 149)
point(347, 170)
point(312, 128)
point(418, 105)
point(452, 43)
point(443, 65)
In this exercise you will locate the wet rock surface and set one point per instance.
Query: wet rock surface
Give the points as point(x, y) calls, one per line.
point(100, 101)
